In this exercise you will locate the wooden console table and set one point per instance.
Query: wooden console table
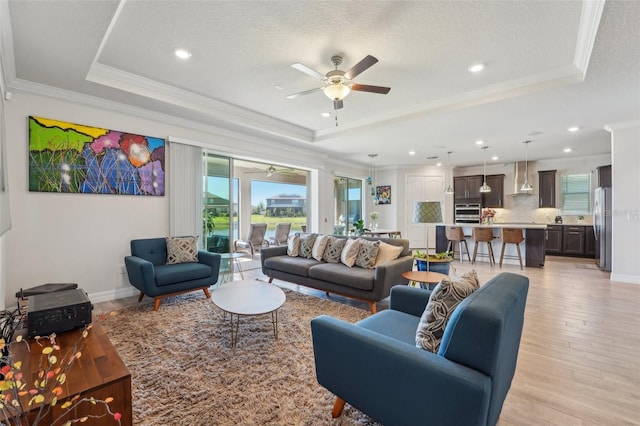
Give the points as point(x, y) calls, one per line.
point(99, 373)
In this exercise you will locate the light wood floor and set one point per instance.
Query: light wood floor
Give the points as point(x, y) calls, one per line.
point(579, 359)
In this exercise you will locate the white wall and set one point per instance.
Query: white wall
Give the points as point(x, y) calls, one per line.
point(625, 147)
point(83, 238)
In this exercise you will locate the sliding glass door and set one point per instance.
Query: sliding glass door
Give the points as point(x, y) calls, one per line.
point(348, 203)
point(220, 205)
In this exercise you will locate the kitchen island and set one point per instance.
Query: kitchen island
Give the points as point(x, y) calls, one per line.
point(532, 248)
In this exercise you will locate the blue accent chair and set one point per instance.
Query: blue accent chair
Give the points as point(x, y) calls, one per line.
point(148, 271)
point(375, 366)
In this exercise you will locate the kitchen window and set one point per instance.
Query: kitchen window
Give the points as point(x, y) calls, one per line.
point(576, 193)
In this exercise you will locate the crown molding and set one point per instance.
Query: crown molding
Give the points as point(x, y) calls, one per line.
point(631, 124)
point(239, 117)
point(562, 76)
point(233, 136)
point(589, 22)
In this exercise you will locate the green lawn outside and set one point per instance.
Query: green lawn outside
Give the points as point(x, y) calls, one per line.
point(222, 223)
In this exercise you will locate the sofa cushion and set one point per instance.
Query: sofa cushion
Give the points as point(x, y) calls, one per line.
point(182, 249)
point(443, 301)
point(293, 245)
point(180, 272)
point(291, 265)
point(333, 250)
point(367, 253)
point(387, 252)
point(338, 273)
point(306, 245)
point(350, 252)
point(319, 247)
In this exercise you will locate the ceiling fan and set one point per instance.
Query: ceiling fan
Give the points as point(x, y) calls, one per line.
point(270, 171)
point(339, 83)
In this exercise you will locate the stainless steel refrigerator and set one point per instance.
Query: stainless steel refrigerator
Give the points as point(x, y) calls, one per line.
point(602, 227)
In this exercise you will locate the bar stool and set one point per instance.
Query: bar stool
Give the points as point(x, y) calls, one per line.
point(511, 236)
point(483, 235)
point(455, 235)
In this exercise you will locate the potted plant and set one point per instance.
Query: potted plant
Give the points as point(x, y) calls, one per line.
point(439, 262)
point(580, 219)
point(359, 227)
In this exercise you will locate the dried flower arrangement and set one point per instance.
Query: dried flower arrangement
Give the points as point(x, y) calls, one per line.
point(23, 403)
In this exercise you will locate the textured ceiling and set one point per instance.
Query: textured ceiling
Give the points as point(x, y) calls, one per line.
point(536, 83)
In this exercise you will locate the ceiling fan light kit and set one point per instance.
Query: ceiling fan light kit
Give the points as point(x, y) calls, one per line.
point(339, 83)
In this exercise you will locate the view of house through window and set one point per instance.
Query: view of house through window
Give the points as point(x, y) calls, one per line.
point(348, 203)
point(278, 202)
point(235, 191)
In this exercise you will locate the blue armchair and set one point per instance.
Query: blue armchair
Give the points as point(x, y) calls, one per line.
point(375, 366)
point(149, 272)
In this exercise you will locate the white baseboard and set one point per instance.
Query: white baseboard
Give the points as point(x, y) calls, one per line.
point(119, 293)
point(632, 279)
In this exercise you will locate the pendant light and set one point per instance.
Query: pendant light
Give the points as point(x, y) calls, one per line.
point(526, 186)
point(485, 187)
point(449, 189)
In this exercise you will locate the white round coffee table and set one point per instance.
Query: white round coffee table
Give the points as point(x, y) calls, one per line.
point(248, 298)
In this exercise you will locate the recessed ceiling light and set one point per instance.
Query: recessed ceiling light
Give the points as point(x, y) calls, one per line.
point(476, 67)
point(479, 142)
point(325, 114)
point(438, 164)
point(412, 152)
point(567, 150)
point(494, 158)
point(183, 54)
point(277, 87)
point(573, 129)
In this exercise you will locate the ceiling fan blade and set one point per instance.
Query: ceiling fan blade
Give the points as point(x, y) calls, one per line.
point(305, 69)
point(337, 105)
point(305, 92)
point(360, 67)
point(372, 89)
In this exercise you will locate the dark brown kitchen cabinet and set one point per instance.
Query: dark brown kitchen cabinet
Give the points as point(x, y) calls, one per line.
point(535, 247)
point(573, 240)
point(495, 198)
point(467, 189)
point(604, 176)
point(589, 242)
point(554, 239)
point(547, 188)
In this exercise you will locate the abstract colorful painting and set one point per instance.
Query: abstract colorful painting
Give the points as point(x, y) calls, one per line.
point(67, 157)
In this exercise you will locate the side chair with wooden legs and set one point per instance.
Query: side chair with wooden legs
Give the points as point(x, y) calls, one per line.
point(483, 235)
point(511, 236)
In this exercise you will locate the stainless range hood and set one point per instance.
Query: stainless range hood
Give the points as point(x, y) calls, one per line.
point(520, 169)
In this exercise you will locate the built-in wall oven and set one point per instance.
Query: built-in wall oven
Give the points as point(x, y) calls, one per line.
point(468, 213)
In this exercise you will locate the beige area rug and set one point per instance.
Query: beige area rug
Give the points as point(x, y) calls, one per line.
point(184, 371)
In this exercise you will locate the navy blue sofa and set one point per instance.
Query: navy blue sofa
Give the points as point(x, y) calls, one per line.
point(148, 271)
point(375, 366)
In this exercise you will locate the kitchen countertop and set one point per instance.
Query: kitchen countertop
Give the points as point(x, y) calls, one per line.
point(500, 225)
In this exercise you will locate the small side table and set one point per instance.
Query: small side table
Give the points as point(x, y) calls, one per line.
point(424, 277)
point(233, 261)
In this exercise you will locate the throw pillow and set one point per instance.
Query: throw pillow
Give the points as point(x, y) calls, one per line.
point(293, 245)
point(387, 252)
point(349, 253)
point(443, 300)
point(319, 247)
point(334, 250)
point(182, 249)
point(306, 245)
point(367, 253)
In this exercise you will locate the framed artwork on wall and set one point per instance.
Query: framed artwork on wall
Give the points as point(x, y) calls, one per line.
point(68, 157)
point(383, 194)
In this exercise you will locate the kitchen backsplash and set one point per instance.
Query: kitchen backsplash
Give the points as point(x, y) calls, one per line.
point(524, 208)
